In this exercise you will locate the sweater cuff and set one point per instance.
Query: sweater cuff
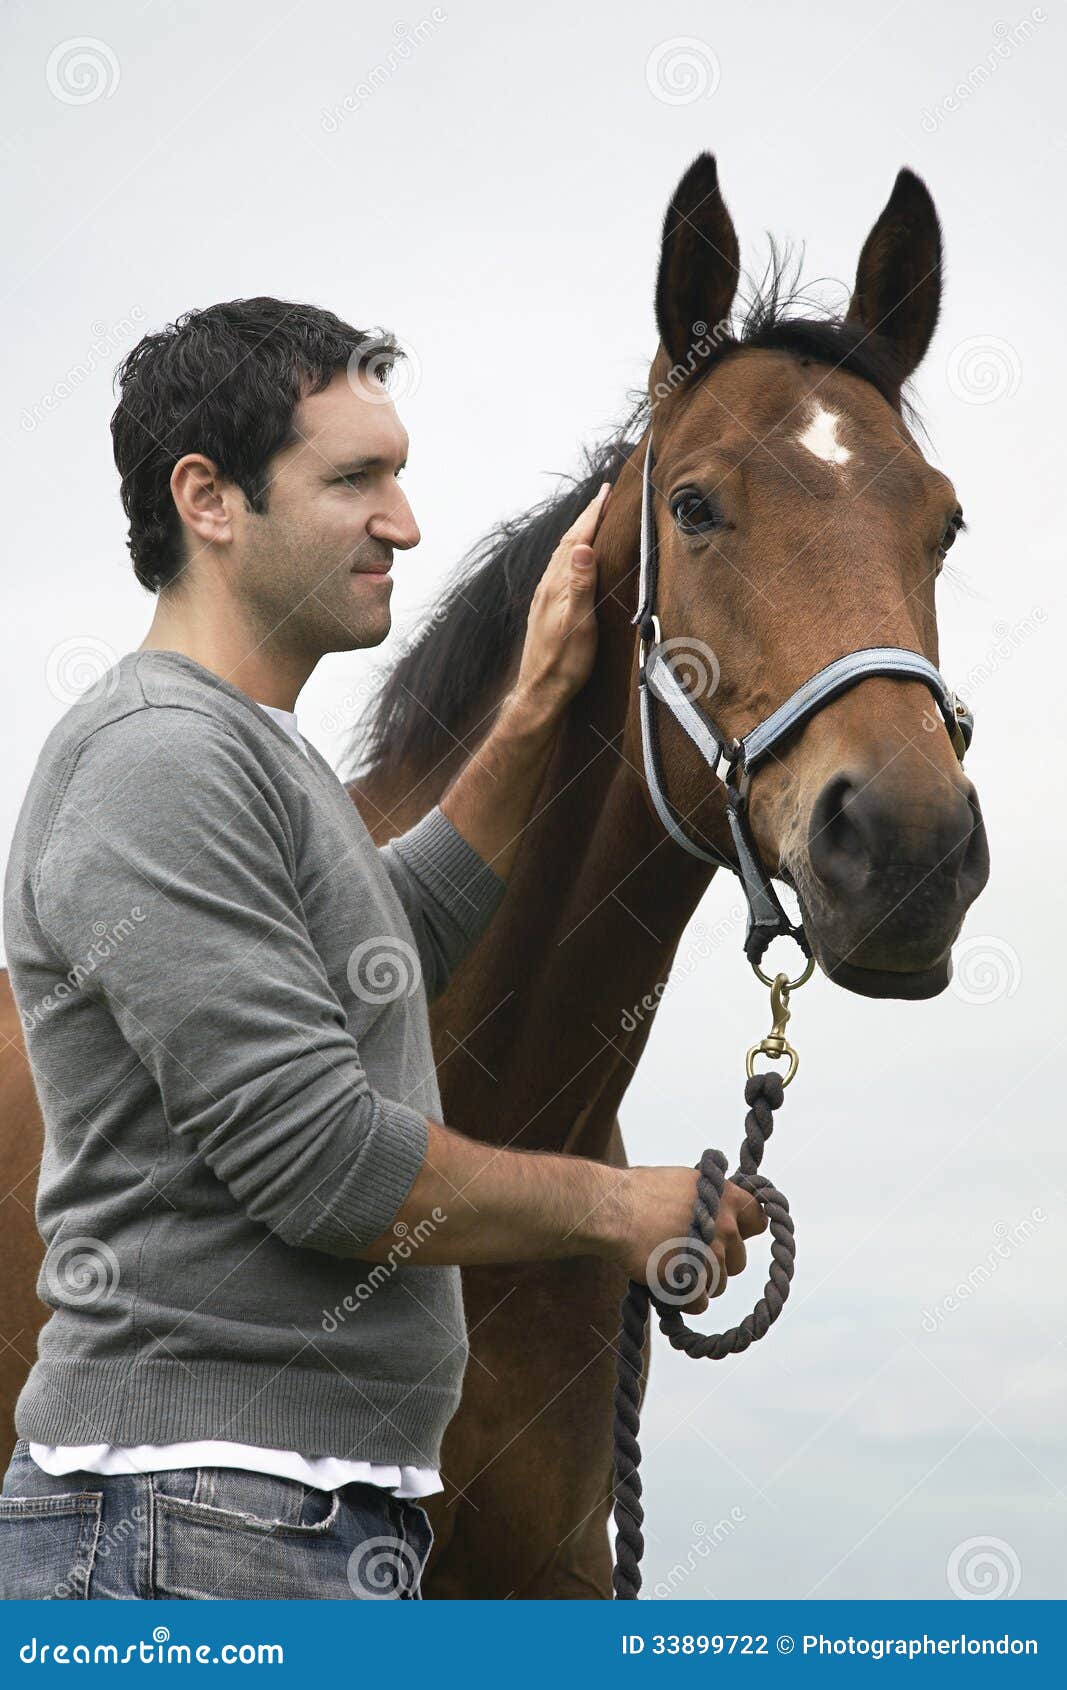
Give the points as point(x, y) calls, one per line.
point(361, 1206)
point(452, 871)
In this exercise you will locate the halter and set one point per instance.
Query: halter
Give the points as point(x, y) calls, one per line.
point(732, 761)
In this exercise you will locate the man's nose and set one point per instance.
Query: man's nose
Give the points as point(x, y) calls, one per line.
point(396, 525)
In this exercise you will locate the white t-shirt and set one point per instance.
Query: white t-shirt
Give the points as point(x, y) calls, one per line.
point(323, 1472)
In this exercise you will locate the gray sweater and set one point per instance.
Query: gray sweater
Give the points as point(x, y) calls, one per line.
point(223, 987)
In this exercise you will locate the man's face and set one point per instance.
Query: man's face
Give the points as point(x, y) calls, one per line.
point(312, 571)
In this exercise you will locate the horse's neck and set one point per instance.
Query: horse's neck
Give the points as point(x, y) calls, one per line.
point(539, 1033)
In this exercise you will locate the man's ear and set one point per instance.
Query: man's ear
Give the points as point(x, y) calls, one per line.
point(898, 280)
point(698, 265)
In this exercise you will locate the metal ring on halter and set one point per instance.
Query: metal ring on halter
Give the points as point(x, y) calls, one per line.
point(800, 980)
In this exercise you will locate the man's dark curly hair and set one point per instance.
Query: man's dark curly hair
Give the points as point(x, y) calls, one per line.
point(224, 381)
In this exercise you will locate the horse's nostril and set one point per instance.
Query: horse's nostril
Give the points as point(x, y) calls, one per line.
point(859, 828)
point(837, 849)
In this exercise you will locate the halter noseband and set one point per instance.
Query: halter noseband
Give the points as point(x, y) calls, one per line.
point(732, 760)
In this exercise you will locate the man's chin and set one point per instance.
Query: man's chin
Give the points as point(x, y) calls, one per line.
point(908, 983)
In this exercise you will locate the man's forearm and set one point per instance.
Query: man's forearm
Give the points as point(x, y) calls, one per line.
point(491, 799)
point(473, 1203)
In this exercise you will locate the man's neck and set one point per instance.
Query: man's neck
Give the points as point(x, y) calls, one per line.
point(266, 673)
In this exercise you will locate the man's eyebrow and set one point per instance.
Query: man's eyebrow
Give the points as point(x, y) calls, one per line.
point(354, 465)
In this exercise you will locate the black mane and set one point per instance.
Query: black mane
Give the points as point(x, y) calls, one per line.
point(464, 648)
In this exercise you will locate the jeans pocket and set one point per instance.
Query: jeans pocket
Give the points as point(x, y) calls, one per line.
point(48, 1546)
point(274, 1539)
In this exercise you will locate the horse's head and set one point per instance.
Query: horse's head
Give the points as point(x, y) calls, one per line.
point(797, 520)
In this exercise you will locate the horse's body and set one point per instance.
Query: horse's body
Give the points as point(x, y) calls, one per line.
point(866, 815)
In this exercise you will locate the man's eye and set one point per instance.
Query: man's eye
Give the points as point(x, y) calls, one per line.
point(695, 513)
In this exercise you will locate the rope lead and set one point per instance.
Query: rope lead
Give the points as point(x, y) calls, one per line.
point(763, 1094)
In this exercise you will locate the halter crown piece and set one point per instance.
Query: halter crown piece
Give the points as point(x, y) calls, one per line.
point(732, 761)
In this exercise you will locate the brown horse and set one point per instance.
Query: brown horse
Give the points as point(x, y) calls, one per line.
point(797, 520)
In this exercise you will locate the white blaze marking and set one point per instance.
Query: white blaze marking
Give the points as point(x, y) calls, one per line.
point(820, 437)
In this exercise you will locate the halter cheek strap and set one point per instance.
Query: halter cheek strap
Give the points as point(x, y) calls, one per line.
point(732, 761)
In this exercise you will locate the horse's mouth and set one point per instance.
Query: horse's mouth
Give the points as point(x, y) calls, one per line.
point(913, 980)
point(909, 983)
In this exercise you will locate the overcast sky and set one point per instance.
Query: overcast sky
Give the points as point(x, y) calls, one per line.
point(489, 183)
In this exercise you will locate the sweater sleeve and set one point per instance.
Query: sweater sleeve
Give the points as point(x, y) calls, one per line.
point(449, 893)
point(171, 833)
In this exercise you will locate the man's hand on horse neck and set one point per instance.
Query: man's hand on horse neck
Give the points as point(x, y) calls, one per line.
point(491, 798)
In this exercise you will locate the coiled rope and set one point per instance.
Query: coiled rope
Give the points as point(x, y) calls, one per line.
point(763, 1094)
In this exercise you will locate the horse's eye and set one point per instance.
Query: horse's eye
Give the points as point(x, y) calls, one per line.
point(695, 513)
point(948, 538)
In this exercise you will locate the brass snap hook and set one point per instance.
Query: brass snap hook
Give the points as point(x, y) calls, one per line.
point(775, 1045)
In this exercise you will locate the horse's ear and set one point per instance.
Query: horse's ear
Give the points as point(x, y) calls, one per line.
point(898, 280)
point(698, 263)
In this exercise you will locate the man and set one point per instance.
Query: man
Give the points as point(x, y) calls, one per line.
point(224, 985)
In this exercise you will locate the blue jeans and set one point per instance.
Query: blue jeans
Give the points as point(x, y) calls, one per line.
point(203, 1534)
